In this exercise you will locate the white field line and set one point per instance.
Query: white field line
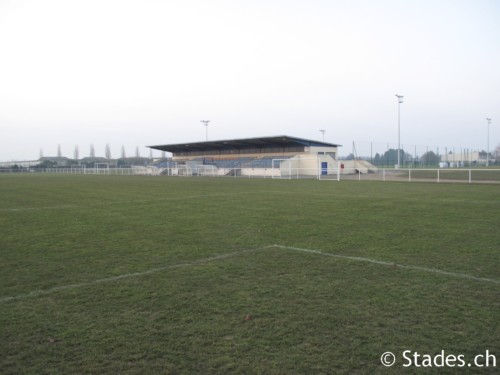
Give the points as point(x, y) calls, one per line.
point(223, 195)
point(42, 292)
point(392, 264)
point(334, 194)
point(131, 201)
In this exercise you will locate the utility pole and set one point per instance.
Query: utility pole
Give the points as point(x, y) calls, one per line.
point(488, 142)
point(400, 100)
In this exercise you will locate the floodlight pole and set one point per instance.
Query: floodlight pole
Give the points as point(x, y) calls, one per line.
point(400, 100)
point(206, 128)
point(488, 120)
point(323, 132)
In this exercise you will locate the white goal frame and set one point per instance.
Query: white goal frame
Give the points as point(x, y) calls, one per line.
point(99, 168)
point(335, 176)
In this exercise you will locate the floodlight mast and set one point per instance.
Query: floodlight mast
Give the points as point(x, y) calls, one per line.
point(400, 100)
point(206, 128)
point(323, 131)
point(488, 120)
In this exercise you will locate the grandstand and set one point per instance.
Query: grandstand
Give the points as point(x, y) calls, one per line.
point(278, 156)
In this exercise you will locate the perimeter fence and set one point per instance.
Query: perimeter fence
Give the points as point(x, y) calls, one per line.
point(338, 173)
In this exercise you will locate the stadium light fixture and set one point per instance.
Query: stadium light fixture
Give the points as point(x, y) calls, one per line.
point(488, 120)
point(206, 128)
point(323, 131)
point(400, 100)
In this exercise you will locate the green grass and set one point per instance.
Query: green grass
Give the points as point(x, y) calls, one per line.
point(121, 274)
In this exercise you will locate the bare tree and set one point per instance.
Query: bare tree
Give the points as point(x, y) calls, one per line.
point(108, 151)
point(76, 153)
point(92, 151)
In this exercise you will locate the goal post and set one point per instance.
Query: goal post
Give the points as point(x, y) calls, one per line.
point(101, 168)
point(277, 170)
point(329, 170)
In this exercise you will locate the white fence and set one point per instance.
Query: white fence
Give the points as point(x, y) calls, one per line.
point(289, 171)
point(456, 175)
point(73, 170)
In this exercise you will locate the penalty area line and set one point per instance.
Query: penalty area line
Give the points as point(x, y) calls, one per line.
point(393, 264)
point(43, 292)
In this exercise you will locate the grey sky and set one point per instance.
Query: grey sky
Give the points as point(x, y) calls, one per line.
point(143, 72)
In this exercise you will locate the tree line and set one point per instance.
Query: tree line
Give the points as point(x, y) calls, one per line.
point(429, 158)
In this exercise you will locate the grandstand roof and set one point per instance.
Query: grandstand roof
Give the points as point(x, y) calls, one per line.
point(245, 143)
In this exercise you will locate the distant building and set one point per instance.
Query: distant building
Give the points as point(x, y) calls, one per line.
point(463, 159)
point(20, 164)
point(57, 161)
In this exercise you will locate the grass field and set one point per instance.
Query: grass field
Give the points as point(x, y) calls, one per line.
point(123, 274)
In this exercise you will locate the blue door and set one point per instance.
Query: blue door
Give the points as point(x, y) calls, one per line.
point(324, 168)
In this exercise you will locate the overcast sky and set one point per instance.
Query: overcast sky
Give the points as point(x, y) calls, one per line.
point(145, 72)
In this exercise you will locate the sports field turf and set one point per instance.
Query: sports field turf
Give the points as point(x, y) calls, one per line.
point(123, 274)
